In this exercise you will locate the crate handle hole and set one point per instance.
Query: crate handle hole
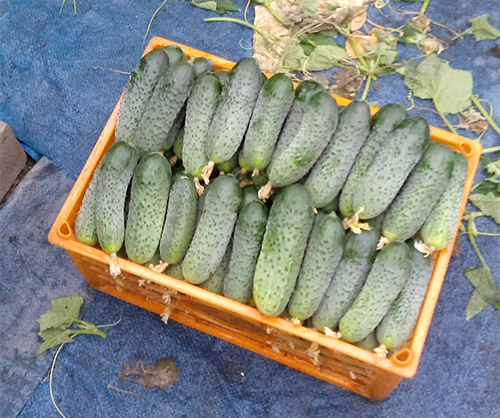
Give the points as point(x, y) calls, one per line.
point(403, 357)
point(466, 148)
point(64, 230)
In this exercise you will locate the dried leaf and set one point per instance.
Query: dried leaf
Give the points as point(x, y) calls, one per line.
point(162, 373)
point(359, 39)
point(473, 120)
point(347, 82)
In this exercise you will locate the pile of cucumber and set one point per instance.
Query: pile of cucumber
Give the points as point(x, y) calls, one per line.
point(246, 186)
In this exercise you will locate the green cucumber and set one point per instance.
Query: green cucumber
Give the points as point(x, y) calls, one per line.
point(223, 76)
point(202, 65)
point(303, 94)
point(369, 342)
point(148, 204)
point(324, 250)
point(140, 87)
point(234, 111)
point(247, 240)
point(216, 281)
point(228, 165)
point(166, 102)
point(248, 194)
point(180, 221)
point(399, 322)
point(332, 206)
point(419, 195)
point(387, 174)
point(440, 225)
point(173, 132)
point(274, 102)
point(387, 277)
point(200, 110)
point(175, 54)
point(315, 131)
point(179, 144)
point(214, 230)
point(383, 123)
point(357, 258)
point(260, 179)
point(117, 168)
point(283, 247)
point(175, 271)
point(85, 222)
point(332, 168)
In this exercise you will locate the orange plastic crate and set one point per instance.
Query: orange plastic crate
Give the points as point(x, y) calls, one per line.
point(303, 348)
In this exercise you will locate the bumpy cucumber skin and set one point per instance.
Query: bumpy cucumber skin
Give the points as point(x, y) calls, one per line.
point(357, 258)
point(175, 54)
point(138, 92)
point(234, 111)
point(85, 222)
point(419, 195)
point(274, 102)
point(216, 281)
point(247, 240)
point(175, 271)
point(382, 124)
point(304, 92)
point(180, 221)
point(166, 102)
point(283, 247)
point(228, 165)
point(117, 168)
point(213, 231)
point(440, 225)
point(178, 144)
point(332, 168)
point(316, 129)
point(148, 204)
point(392, 165)
point(223, 76)
point(387, 277)
point(332, 206)
point(201, 107)
point(324, 250)
point(369, 342)
point(248, 194)
point(399, 322)
point(202, 65)
point(173, 132)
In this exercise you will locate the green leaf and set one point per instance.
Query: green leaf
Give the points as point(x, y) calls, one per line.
point(411, 35)
point(219, 6)
point(387, 54)
point(324, 57)
point(63, 313)
point(488, 204)
point(493, 168)
point(489, 186)
point(386, 38)
point(311, 40)
point(450, 89)
point(307, 6)
point(476, 304)
point(294, 57)
point(484, 283)
point(481, 28)
point(53, 337)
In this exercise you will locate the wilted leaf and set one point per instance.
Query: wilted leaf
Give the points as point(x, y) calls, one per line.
point(473, 120)
point(488, 204)
point(347, 82)
point(219, 6)
point(294, 57)
point(324, 57)
point(359, 39)
point(481, 28)
point(307, 6)
point(63, 313)
point(450, 89)
point(53, 337)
